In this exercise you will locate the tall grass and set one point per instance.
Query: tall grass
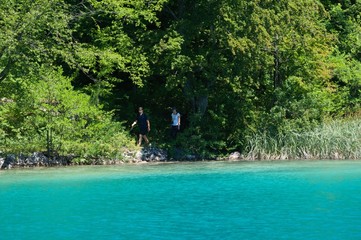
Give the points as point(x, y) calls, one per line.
point(338, 139)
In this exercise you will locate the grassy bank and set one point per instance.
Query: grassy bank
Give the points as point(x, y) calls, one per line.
point(338, 139)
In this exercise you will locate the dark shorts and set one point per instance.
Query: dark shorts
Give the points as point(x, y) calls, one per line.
point(143, 131)
point(174, 131)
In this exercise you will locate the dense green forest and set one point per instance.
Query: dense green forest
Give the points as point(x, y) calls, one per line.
point(74, 72)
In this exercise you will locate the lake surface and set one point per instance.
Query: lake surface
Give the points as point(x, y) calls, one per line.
point(205, 200)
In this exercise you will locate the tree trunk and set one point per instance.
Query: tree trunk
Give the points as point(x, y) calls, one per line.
point(201, 104)
point(277, 82)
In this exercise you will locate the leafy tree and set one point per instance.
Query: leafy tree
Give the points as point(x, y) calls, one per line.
point(31, 32)
point(40, 108)
point(345, 23)
point(232, 68)
point(106, 48)
point(284, 47)
point(52, 117)
point(245, 66)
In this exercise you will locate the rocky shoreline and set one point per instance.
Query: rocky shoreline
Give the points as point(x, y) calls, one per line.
point(144, 155)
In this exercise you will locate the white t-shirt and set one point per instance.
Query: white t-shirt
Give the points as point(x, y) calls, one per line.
point(175, 119)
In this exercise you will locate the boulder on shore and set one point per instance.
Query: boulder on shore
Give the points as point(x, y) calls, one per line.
point(152, 154)
point(34, 160)
point(234, 156)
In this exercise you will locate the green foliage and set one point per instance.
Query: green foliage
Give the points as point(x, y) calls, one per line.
point(347, 83)
point(31, 32)
point(233, 69)
point(59, 120)
point(346, 23)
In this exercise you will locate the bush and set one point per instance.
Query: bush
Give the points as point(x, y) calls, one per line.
point(46, 114)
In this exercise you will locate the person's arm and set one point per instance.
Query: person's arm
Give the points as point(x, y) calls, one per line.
point(179, 121)
point(134, 123)
point(148, 125)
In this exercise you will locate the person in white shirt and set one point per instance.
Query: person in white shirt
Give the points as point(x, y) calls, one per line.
point(176, 119)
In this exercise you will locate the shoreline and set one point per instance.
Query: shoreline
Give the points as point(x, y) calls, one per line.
point(39, 160)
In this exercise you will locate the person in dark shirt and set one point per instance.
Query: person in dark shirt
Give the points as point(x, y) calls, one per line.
point(144, 126)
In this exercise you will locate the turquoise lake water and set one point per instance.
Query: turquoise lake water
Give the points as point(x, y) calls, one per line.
point(206, 200)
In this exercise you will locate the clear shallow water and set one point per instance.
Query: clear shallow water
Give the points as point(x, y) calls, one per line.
point(208, 200)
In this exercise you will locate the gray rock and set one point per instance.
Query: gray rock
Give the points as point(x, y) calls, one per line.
point(37, 159)
point(234, 156)
point(10, 160)
point(147, 154)
point(138, 155)
point(151, 154)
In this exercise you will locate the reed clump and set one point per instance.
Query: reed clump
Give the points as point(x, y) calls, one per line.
point(338, 139)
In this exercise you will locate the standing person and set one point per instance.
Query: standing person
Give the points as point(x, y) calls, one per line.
point(144, 126)
point(176, 118)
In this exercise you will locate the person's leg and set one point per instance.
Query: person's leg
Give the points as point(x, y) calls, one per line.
point(174, 131)
point(140, 139)
point(146, 139)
